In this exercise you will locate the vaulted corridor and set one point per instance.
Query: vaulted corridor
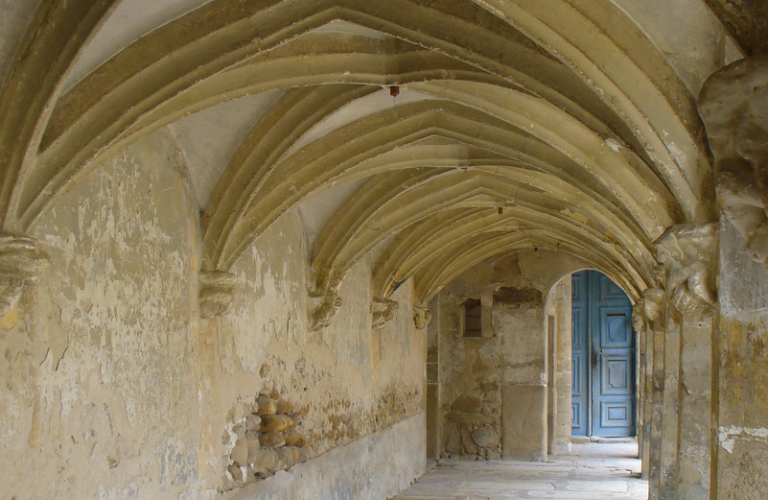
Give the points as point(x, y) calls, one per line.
point(297, 249)
point(589, 472)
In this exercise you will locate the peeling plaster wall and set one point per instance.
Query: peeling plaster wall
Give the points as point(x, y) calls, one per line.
point(114, 388)
point(100, 394)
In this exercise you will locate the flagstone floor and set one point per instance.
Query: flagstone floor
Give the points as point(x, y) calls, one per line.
point(591, 471)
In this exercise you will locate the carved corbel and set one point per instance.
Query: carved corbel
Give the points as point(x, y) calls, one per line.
point(421, 317)
point(324, 303)
point(688, 251)
point(383, 311)
point(21, 261)
point(734, 107)
point(743, 206)
point(654, 304)
point(638, 316)
point(217, 290)
point(323, 309)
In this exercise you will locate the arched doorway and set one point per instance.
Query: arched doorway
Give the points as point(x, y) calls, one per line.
point(604, 358)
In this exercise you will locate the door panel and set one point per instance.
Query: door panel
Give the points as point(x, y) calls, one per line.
point(580, 351)
point(604, 358)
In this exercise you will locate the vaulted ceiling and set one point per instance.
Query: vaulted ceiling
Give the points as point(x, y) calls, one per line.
point(568, 125)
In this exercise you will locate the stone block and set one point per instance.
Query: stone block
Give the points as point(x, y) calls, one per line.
point(272, 439)
point(293, 438)
point(485, 437)
point(252, 423)
point(253, 445)
point(284, 407)
point(239, 453)
point(265, 462)
point(267, 406)
point(524, 422)
point(277, 423)
point(289, 456)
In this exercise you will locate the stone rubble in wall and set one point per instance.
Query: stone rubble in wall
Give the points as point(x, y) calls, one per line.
point(265, 440)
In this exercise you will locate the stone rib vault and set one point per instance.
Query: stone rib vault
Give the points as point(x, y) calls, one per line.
point(203, 201)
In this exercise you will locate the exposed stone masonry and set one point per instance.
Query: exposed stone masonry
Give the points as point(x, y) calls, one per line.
point(266, 440)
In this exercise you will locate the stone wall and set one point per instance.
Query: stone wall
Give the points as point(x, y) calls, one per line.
point(495, 398)
point(115, 388)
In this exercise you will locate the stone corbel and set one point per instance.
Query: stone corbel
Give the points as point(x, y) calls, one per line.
point(21, 261)
point(323, 307)
point(421, 317)
point(688, 252)
point(654, 303)
point(734, 107)
point(217, 290)
point(743, 206)
point(383, 311)
point(638, 316)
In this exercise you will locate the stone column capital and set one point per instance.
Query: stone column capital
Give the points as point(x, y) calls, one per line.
point(734, 107)
point(217, 290)
point(21, 260)
point(688, 253)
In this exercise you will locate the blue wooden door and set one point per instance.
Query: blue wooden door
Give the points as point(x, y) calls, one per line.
point(603, 400)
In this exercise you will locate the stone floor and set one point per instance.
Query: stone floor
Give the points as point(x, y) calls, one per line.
point(591, 471)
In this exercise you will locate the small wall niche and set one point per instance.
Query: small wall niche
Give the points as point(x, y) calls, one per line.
point(473, 318)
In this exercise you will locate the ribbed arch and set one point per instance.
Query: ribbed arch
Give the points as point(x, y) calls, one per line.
point(92, 118)
point(388, 203)
point(561, 112)
point(372, 145)
point(456, 259)
point(417, 245)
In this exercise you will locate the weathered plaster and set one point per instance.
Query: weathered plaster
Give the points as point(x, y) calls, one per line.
point(101, 367)
point(109, 367)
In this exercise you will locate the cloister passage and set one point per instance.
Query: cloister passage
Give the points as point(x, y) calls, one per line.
point(295, 249)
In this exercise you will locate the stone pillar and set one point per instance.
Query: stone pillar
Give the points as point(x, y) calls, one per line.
point(638, 326)
point(647, 400)
point(695, 409)
point(552, 386)
point(670, 417)
point(563, 377)
point(734, 107)
point(655, 314)
point(657, 410)
point(741, 409)
point(688, 253)
point(433, 382)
